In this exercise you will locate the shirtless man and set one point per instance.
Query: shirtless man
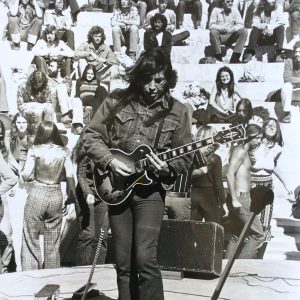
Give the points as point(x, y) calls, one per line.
point(238, 179)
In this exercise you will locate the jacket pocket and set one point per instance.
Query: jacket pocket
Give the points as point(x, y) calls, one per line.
point(124, 124)
point(167, 133)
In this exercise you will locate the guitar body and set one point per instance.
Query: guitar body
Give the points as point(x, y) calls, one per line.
point(114, 189)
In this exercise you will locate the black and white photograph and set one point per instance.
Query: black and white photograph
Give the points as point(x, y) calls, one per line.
point(149, 149)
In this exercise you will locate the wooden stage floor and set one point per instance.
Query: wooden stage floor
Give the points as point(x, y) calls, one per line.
point(249, 279)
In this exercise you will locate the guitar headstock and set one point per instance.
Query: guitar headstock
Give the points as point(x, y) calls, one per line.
point(232, 134)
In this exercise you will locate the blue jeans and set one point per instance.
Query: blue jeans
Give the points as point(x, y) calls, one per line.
point(135, 226)
point(238, 218)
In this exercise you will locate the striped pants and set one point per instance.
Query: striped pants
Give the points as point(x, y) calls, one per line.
point(42, 215)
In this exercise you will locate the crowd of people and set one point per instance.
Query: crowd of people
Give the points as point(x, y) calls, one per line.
point(37, 165)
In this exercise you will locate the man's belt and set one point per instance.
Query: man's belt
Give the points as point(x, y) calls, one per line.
point(178, 194)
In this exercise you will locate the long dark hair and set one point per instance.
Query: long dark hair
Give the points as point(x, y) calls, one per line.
point(32, 81)
point(47, 132)
point(14, 136)
point(150, 62)
point(86, 69)
point(230, 85)
point(3, 148)
point(248, 107)
point(278, 136)
point(263, 6)
point(160, 17)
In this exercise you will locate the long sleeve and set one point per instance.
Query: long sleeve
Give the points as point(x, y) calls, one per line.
point(213, 23)
point(288, 74)
point(8, 179)
point(40, 48)
point(82, 170)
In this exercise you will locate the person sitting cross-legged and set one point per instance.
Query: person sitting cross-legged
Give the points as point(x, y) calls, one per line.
point(158, 36)
point(226, 26)
point(179, 37)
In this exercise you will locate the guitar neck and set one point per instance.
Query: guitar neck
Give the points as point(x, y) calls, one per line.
point(186, 149)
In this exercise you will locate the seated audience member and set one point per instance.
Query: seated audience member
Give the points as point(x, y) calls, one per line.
point(244, 114)
point(25, 22)
point(142, 9)
point(291, 77)
point(62, 20)
point(294, 18)
point(89, 90)
point(152, 4)
point(265, 164)
point(95, 52)
point(226, 26)
point(3, 18)
point(158, 36)
point(46, 162)
point(178, 38)
point(195, 7)
point(34, 99)
point(207, 191)
point(52, 48)
point(268, 28)
point(3, 97)
point(8, 180)
point(224, 96)
point(91, 211)
point(70, 108)
point(125, 21)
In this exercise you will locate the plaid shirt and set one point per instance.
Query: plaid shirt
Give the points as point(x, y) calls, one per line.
point(119, 15)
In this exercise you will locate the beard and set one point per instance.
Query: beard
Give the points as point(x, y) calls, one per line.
point(269, 8)
point(52, 74)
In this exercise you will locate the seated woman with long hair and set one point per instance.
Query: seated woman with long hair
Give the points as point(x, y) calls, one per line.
point(47, 161)
point(89, 90)
point(224, 97)
point(207, 191)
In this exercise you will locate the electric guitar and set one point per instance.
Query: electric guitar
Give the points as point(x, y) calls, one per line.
point(114, 189)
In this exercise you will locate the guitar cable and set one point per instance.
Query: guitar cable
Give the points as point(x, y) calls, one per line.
point(99, 245)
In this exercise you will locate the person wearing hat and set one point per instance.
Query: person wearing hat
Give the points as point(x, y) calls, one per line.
point(238, 178)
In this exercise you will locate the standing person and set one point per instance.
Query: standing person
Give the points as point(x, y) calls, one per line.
point(238, 179)
point(158, 36)
point(24, 23)
point(224, 95)
point(46, 162)
point(125, 120)
point(91, 211)
point(267, 28)
point(207, 191)
point(125, 27)
point(266, 163)
point(20, 141)
point(7, 181)
point(291, 77)
point(226, 26)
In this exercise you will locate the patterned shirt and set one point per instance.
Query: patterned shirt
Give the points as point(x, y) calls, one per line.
point(26, 14)
point(120, 16)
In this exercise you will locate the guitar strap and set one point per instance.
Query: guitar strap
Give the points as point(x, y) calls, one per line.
point(160, 125)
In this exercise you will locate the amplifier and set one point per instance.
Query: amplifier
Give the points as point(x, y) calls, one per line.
point(191, 246)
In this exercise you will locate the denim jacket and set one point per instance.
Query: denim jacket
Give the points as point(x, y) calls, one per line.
point(128, 130)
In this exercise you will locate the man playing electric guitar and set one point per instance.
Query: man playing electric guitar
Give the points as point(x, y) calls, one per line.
point(143, 113)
